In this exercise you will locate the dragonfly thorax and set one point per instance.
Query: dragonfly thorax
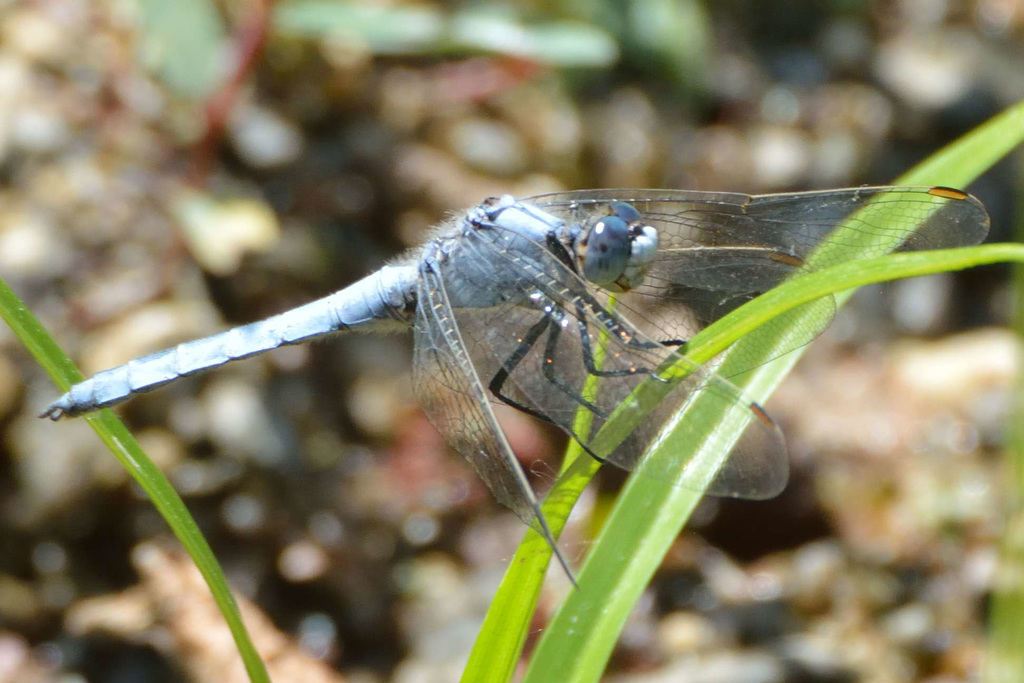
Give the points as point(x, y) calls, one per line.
point(616, 251)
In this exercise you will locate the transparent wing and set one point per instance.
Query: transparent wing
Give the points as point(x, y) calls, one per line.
point(719, 250)
point(452, 396)
point(554, 350)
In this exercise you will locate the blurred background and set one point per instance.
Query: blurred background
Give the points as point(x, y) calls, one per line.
point(171, 169)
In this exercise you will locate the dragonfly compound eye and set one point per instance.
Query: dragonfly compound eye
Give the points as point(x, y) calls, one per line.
point(626, 212)
point(607, 250)
point(643, 247)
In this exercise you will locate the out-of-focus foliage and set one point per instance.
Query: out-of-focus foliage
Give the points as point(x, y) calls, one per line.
point(430, 30)
point(184, 41)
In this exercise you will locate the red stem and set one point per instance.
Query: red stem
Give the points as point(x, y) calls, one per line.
point(250, 40)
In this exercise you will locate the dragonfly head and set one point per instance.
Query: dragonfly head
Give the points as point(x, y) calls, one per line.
point(616, 250)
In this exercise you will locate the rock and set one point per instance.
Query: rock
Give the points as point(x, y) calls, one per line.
point(682, 633)
point(489, 146)
point(951, 372)
point(220, 232)
point(781, 156)
point(263, 138)
point(302, 561)
point(929, 70)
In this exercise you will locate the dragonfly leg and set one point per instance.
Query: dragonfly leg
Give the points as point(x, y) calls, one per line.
point(510, 364)
point(588, 354)
point(550, 348)
point(497, 383)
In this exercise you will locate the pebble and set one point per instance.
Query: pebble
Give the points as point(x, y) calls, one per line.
point(53, 465)
point(419, 671)
point(835, 159)
point(19, 602)
point(244, 513)
point(326, 529)
point(490, 146)
point(31, 34)
point(302, 561)
point(908, 625)
point(375, 402)
point(846, 43)
point(14, 82)
point(734, 76)
point(780, 106)
point(998, 17)
point(57, 592)
point(239, 422)
point(726, 579)
point(738, 667)
point(550, 122)
point(263, 138)
point(18, 665)
point(404, 98)
point(146, 330)
point(142, 95)
point(203, 478)
point(30, 247)
point(421, 529)
point(921, 304)
point(49, 557)
point(442, 617)
point(220, 233)
point(781, 156)
point(952, 371)
point(38, 129)
point(723, 152)
point(930, 70)
point(680, 633)
point(817, 659)
point(813, 573)
point(126, 614)
point(853, 109)
point(318, 635)
point(163, 447)
point(624, 132)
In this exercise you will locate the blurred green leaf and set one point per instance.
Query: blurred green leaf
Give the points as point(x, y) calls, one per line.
point(384, 29)
point(131, 456)
point(184, 43)
point(561, 43)
point(675, 32)
point(426, 30)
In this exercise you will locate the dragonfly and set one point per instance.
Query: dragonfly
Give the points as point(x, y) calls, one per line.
point(511, 303)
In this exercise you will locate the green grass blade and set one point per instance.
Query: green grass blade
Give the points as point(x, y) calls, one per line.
point(648, 532)
point(498, 647)
point(131, 456)
point(649, 515)
point(1004, 656)
point(497, 650)
point(499, 644)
